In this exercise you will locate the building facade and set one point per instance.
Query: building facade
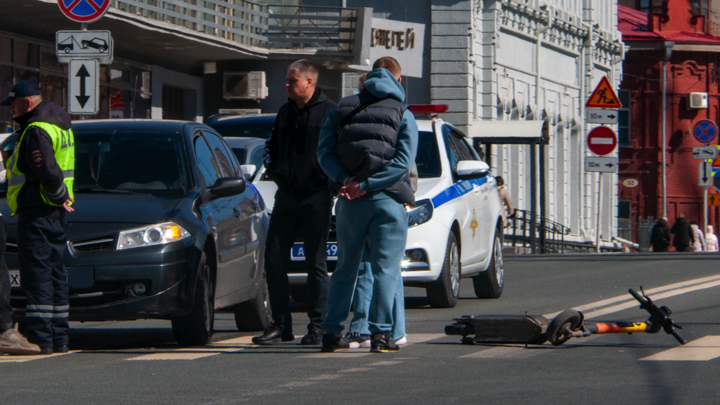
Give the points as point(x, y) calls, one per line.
point(674, 35)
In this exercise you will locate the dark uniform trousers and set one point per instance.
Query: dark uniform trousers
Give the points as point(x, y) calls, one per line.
point(6, 310)
point(293, 216)
point(41, 245)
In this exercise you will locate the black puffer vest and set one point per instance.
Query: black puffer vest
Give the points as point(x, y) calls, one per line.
point(369, 140)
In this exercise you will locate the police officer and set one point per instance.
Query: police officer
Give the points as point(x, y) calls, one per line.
point(40, 180)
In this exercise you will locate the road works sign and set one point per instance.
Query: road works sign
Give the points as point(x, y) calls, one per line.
point(83, 11)
point(83, 79)
point(604, 96)
point(84, 44)
point(705, 131)
point(602, 141)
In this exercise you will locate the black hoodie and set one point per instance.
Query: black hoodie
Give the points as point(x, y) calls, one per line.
point(36, 158)
point(683, 235)
point(291, 160)
point(660, 236)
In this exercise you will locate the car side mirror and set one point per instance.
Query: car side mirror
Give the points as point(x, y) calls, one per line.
point(228, 186)
point(248, 171)
point(472, 169)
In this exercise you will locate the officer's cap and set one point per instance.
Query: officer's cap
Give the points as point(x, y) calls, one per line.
point(25, 88)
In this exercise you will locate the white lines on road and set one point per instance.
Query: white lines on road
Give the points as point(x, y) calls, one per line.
point(23, 359)
point(503, 352)
point(413, 338)
point(703, 349)
point(173, 356)
point(667, 291)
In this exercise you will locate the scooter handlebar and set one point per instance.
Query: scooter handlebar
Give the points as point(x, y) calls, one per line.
point(659, 317)
point(637, 296)
point(678, 337)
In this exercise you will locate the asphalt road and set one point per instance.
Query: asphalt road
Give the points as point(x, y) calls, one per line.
point(137, 362)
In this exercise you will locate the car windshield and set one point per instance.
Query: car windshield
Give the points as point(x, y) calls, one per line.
point(244, 128)
point(428, 156)
point(150, 163)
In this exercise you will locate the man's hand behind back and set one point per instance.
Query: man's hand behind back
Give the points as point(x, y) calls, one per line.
point(351, 190)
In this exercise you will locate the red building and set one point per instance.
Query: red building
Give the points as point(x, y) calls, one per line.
point(676, 36)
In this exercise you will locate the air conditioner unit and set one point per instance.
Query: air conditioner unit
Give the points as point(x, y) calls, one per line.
point(697, 100)
point(244, 85)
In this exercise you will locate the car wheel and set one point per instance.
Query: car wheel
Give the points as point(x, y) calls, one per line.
point(101, 49)
point(255, 315)
point(196, 328)
point(560, 328)
point(67, 50)
point(444, 292)
point(489, 284)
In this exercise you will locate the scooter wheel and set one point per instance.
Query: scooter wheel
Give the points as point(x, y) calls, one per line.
point(561, 327)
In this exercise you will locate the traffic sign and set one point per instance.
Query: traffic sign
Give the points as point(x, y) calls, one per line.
point(705, 152)
point(600, 116)
point(602, 141)
point(84, 44)
point(705, 174)
point(83, 11)
point(83, 78)
point(714, 200)
point(705, 131)
point(601, 164)
point(604, 96)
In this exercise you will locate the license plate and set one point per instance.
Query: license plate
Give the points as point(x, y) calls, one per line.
point(14, 278)
point(297, 253)
point(81, 277)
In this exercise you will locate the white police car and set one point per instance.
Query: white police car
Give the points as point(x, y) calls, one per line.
point(455, 229)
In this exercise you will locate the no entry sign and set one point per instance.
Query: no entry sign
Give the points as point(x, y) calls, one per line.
point(83, 11)
point(602, 141)
point(705, 131)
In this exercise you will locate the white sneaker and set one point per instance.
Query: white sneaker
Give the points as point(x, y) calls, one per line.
point(356, 340)
point(401, 341)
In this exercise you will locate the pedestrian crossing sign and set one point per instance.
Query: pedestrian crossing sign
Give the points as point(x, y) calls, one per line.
point(604, 96)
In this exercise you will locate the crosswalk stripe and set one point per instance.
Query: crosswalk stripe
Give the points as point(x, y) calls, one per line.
point(510, 352)
point(23, 359)
point(703, 349)
point(173, 356)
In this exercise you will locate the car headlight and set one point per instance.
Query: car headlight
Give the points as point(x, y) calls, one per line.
point(421, 213)
point(159, 234)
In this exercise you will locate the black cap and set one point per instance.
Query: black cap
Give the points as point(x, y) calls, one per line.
point(25, 88)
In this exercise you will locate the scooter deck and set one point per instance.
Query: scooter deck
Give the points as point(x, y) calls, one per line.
point(518, 329)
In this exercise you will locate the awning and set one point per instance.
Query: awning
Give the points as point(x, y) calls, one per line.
point(507, 132)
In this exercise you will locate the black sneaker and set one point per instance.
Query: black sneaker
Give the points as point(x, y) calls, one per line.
point(60, 349)
point(273, 335)
point(333, 343)
point(314, 337)
point(46, 351)
point(356, 340)
point(381, 343)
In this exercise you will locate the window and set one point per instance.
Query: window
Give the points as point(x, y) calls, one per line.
point(427, 159)
point(207, 165)
point(624, 118)
point(624, 208)
point(257, 157)
point(227, 164)
point(450, 147)
point(465, 152)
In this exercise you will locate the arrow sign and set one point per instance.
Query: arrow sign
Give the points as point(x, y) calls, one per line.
point(601, 164)
point(601, 116)
point(713, 200)
point(83, 95)
point(706, 175)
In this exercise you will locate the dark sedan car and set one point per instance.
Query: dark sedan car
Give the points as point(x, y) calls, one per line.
point(165, 226)
point(253, 126)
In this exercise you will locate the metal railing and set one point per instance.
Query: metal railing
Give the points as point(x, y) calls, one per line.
point(549, 235)
point(281, 27)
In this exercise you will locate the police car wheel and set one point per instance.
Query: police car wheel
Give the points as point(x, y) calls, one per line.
point(196, 328)
point(489, 284)
point(444, 292)
point(255, 315)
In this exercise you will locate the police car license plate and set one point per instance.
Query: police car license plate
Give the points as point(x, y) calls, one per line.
point(298, 252)
point(14, 278)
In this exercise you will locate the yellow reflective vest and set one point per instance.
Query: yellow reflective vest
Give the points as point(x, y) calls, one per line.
point(64, 146)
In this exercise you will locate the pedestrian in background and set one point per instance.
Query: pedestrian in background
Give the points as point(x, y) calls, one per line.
point(684, 238)
point(660, 236)
point(508, 210)
point(699, 239)
point(711, 241)
point(369, 143)
point(40, 176)
point(303, 204)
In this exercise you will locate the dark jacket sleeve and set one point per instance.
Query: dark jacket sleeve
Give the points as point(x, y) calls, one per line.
point(272, 147)
point(40, 158)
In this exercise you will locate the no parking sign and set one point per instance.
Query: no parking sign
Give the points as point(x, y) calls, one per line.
point(705, 131)
point(83, 11)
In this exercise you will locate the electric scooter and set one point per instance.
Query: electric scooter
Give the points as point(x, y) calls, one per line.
point(536, 329)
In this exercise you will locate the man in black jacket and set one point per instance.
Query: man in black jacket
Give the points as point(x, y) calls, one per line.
point(303, 204)
point(684, 237)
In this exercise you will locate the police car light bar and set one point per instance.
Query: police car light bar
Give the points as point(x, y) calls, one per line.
point(428, 108)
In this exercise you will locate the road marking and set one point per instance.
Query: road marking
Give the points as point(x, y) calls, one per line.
point(412, 338)
point(703, 349)
point(173, 356)
point(704, 283)
point(23, 359)
point(510, 352)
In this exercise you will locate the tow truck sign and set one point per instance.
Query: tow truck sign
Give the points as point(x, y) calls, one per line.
point(71, 45)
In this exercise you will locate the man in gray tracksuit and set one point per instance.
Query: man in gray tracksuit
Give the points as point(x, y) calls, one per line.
point(369, 143)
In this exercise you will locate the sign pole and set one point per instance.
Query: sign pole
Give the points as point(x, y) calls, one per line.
point(597, 225)
point(705, 214)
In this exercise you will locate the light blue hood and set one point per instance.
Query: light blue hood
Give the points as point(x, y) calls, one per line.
point(382, 84)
